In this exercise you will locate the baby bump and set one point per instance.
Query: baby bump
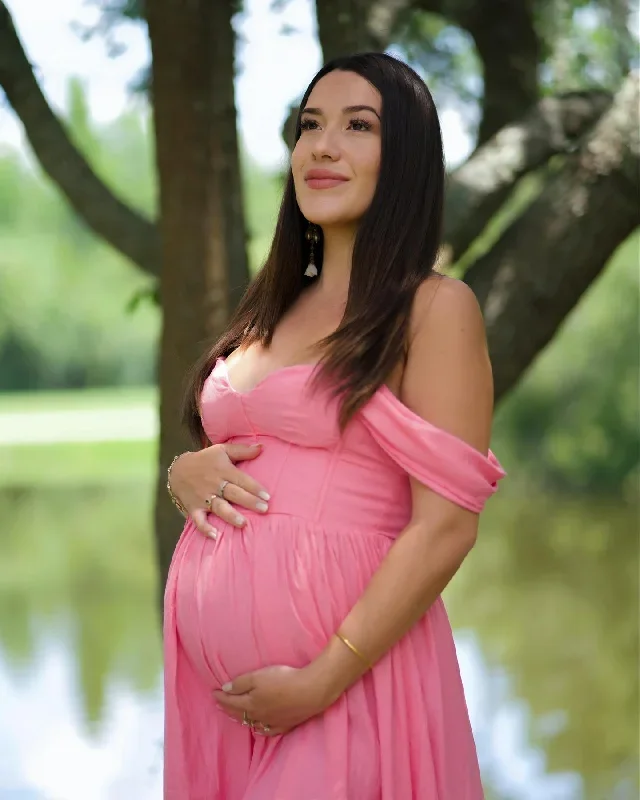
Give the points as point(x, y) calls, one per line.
point(271, 593)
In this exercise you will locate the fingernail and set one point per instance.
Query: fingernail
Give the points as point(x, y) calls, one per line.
point(264, 495)
point(262, 506)
point(212, 534)
point(226, 687)
point(238, 520)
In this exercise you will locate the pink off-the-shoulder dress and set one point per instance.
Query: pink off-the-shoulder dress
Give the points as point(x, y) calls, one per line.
point(275, 591)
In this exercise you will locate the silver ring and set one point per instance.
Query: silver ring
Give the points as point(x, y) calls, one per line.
point(223, 486)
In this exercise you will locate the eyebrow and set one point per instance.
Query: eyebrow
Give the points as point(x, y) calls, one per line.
point(317, 112)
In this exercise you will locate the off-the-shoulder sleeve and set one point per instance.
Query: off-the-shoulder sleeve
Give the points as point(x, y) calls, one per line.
point(436, 458)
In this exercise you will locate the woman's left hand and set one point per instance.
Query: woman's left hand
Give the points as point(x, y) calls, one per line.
point(273, 699)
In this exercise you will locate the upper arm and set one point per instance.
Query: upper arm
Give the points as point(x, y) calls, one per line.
point(447, 378)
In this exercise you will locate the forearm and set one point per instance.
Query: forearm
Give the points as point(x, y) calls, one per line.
point(411, 577)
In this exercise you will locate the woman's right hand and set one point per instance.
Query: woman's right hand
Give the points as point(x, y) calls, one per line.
point(197, 477)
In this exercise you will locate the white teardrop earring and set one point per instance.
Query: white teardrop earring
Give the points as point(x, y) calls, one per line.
point(313, 238)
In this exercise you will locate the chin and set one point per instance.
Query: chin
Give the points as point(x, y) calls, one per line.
point(331, 215)
point(331, 220)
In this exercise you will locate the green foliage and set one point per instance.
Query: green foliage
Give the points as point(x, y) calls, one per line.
point(62, 291)
point(62, 301)
point(73, 312)
point(586, 43)
point(444, 53)
point(573, 420)
point(262, 195)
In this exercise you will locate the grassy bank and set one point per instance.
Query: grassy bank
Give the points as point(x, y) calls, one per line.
point(85, 463)
point(124, 397)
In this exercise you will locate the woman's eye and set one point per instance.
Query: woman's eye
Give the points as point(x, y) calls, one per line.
point(354, 125)
point(360, 125)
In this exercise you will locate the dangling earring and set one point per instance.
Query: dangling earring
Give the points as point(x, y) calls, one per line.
point(313, 238)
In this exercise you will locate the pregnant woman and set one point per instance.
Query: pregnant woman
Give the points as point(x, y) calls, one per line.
point(345, 419)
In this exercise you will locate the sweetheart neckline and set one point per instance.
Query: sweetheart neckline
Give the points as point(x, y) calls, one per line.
point(383, 389)
point(265, 379)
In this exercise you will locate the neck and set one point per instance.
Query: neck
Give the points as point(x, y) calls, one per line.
point(336, 260)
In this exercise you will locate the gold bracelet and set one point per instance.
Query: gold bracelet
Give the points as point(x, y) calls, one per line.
point(174, 499)
point(354, 649)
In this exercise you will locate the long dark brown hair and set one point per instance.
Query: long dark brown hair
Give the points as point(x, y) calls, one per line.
point(395, 249)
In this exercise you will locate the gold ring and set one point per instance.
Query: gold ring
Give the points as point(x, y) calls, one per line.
point(209, 501)
point(246, 720)
point(261, 728)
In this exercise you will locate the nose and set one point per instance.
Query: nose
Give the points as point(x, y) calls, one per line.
point(325, 145)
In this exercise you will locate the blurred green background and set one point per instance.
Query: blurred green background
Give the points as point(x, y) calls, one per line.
point(545, 610)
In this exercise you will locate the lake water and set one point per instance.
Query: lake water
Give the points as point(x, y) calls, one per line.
point(545, 612)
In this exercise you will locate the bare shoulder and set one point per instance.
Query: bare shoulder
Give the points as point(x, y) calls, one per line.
point(444, 304)
point(448, 378)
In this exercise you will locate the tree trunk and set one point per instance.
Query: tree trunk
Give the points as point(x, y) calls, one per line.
point(543, 263)
point(204, 265)
point(347, 26)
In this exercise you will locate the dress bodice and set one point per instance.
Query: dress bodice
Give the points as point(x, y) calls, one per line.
point(367, 465)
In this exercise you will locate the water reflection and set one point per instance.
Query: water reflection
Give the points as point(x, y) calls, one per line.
point(552, 594)
point(546, 613)
point(80, 563)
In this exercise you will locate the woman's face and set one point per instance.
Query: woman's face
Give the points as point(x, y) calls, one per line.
point(336, 160)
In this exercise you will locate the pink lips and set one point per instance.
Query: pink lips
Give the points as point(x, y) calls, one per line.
point(323, 179)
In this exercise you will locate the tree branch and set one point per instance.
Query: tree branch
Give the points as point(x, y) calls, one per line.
point(548, 257)
point(478, 188)
point(123, 228)
point(507, 43)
